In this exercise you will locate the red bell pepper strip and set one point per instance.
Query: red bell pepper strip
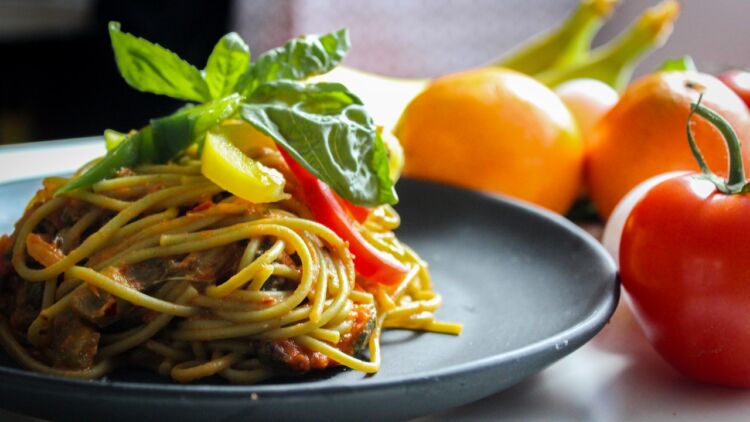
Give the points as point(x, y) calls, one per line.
point(357, 212)
point(371, 263)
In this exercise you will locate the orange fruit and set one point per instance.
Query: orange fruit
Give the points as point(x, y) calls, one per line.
point(645, 134)
point(494, 130)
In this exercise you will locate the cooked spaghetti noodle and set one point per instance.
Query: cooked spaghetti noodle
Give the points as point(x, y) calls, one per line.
point(161, 268)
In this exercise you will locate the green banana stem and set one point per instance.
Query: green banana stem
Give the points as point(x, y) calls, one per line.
point(614, 62)
point(563, 46)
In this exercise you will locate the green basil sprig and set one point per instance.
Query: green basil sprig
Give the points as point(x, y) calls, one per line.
point(323, 126)
point(149, 67)
point(228, 61)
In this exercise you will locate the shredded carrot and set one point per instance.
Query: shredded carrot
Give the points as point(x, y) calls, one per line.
point(5, 244)
point(203, 206)
point(42, 251)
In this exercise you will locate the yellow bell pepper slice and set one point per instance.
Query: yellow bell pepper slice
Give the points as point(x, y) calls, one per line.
point(227, 166)
point(395, 153)
point(244, 136)
point(113, 138)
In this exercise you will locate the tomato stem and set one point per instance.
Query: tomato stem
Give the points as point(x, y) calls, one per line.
point(736, 182)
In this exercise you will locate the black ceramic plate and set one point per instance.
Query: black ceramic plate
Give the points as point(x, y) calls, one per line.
point(529, 287)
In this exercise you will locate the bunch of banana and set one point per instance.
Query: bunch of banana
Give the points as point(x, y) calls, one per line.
point(614, 62)
point(553, 57)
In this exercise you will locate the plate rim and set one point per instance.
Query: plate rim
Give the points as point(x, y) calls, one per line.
point(583, 330)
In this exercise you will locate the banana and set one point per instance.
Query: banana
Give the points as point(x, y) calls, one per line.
point(614, 62)
point(385, 97)
point(562, 46)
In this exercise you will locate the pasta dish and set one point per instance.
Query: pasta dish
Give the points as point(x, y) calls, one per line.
point(211, 243)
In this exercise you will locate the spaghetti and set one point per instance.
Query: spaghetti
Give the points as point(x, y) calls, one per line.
point(159, 267)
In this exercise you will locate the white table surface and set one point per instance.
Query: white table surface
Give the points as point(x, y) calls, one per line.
point(617, 376)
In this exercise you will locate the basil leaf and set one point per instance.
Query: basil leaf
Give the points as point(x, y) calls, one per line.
point(298, 59)
point(152, 68)
point(327, 130)
point(228, 61)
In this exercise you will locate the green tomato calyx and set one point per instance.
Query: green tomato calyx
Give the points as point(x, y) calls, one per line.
point(735, 183)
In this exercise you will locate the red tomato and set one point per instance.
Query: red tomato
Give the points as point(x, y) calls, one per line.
point(685, 267)
point(739, 82)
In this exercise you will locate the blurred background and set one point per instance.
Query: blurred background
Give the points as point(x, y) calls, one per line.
point(58, 77)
